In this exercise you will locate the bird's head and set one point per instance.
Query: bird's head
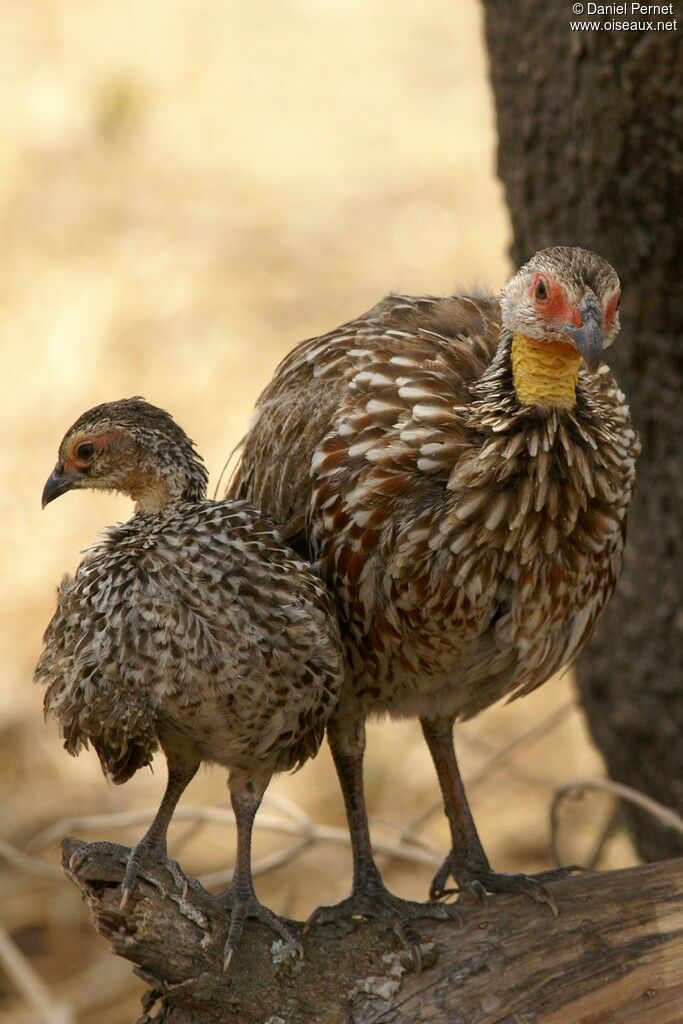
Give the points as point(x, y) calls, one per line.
point(132, 447)
point(560, 308)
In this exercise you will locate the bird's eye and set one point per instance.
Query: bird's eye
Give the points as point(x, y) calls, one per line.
point(541, 291)
point(85, 452)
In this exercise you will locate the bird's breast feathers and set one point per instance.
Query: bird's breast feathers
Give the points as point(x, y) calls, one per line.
point(461, 549)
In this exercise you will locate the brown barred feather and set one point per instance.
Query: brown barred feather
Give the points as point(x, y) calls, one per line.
point(470, 541)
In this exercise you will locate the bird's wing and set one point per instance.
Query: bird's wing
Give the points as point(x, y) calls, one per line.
point(446, 342)
point(282, 657)
point(205, 612)
point(93, 673)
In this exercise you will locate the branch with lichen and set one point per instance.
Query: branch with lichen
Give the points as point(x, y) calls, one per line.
point(615, 949)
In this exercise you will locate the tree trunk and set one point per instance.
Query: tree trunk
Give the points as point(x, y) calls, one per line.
point(613, 955)
point(591, 153)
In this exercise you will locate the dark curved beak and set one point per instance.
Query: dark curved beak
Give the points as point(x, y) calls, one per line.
point(589, 337)
point(59, 483)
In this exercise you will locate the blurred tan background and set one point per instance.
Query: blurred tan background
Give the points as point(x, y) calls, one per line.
point(189, 187)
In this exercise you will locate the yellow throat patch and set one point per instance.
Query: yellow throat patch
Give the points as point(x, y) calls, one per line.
point(544, 372)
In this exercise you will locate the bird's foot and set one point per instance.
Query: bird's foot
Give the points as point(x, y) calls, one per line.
point(87, 850)
point(150, 851)
point(245, 905)
point(374, 901)
point(481, 880)
point(145, 850)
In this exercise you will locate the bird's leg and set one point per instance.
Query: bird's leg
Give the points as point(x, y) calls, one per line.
point(154, 840)
point(467, 862)
point(246, 792)
point(369, 896)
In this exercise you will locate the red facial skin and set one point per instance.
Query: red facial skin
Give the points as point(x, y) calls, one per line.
point(557, 309)
point(612, 307)
point(100, 441)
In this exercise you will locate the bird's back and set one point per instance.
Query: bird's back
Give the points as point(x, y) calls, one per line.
point(456, 336)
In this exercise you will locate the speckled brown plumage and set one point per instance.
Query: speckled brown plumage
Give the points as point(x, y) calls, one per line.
point(464, 487)
point(192, 626)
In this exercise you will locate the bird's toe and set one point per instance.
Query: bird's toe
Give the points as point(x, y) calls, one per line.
point(481, 881)
point(379, 904)
point(242, 908)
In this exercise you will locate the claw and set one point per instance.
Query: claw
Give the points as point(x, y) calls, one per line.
point(478, 890)
point(411, 942)
point(474, 888)
point(311, 920)
point(244, 907)
point(376, 902)
point(138, 855)
point(76, 859)
point(436, 890)
point(543, 896)
point(440, 894)
point(481, 880)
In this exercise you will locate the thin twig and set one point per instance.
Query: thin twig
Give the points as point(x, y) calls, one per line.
point(591, 861)
point(23, 861)
point(667, 817)
point(410, 846)
point(411, 838)
point(262, 866)
point(32, 987)
point(193, 829)
point(123, 819)
point(305, 830)
point(98, 985)
point(527, 738)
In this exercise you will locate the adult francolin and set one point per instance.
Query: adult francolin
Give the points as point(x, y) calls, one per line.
point(461, 470)
point(191, 627)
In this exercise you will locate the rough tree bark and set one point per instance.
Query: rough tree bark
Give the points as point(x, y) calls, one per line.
point(612, 957)
point(591, 153)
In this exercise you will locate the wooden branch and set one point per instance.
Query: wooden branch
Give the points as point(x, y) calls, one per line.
point(614, 956)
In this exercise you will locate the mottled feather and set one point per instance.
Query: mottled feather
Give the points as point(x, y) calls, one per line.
point(195, 626)
point(470, 541)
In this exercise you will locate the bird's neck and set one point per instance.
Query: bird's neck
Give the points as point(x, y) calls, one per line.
point(153, 490)
point(150, 495)
point(544, 372)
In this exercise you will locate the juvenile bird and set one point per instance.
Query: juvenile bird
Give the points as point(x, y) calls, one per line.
point(191, 627)
point(461, 468)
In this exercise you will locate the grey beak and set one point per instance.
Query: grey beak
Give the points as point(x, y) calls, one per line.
point(59, 483)
point(589, 337)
